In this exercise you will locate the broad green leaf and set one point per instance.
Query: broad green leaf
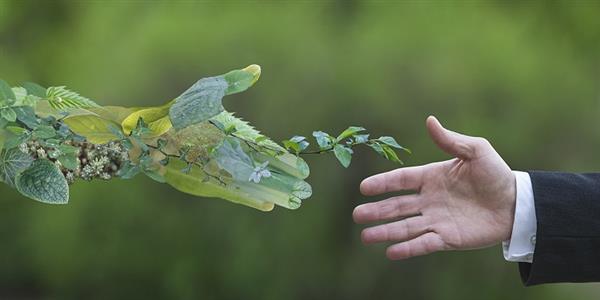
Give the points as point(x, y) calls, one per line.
point(8, 114)
point(194, 182)
point(6, 93)
point(199, 103)
point(12, 162)
point(343, 154)
point(59, 97)
point(350, 131)
point(35, 89)
point(203, 100)
point(156, 118)
point(44, 182)
point(95, 129)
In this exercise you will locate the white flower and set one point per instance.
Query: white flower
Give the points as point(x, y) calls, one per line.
point(260, 172)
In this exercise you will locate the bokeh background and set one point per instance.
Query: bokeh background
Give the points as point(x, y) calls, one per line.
point(526, 75)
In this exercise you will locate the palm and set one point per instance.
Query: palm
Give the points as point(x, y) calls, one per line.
point(463, 203)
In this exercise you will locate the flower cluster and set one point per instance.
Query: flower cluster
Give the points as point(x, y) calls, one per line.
point(93, 161)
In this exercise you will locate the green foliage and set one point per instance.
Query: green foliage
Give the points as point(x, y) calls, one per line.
point(44, 182)
point(342, 145)
point(202, 101)
point(215, 153)
point(60, 98)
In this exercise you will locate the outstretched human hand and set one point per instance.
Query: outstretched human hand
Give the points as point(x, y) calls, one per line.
point(464, 203)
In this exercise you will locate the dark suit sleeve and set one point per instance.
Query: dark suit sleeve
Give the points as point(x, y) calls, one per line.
point(567, 249)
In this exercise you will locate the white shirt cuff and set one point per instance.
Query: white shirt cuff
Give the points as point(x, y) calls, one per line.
point(521, 245)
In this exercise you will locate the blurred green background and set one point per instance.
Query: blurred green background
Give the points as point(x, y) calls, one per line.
point(524, 75)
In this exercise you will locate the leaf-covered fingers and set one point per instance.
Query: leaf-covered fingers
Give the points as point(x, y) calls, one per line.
point(400, 206)
point(397, 231)
point(410, 178)
point(425, 244)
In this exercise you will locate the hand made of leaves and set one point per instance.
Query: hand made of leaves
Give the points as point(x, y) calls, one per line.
point(51, 137)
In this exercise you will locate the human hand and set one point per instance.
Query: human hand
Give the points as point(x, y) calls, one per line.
point(464, 203)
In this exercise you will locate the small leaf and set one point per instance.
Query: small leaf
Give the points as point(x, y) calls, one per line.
point(301, 142)
point(324, 140)
point(35, 89)
point(350, 131)
point(68, 149)
point(16, 130)
point(377, 147)
point(69, 161)
point(26, 115)
point(44, 182)
point(44, 132)
point(291, 146)
point(343, 154)
point(361, 138)
point(390, 154)
point(8, 114)
point(6, 92)
point(390, 141)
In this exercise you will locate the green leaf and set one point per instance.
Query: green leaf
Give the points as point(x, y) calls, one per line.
point(199, 103)
point(361, 138)
point(350, 131)
point(8, 114)
point(6, 93)
point(26, 115)
point(35, 89)
point(16, 130)
point(324, 140)
point(157, 119)
point(390, 154)
point(95, 129)
point(12, 162)
point(343, 154)
point(68, 149)
point(59, 97)
point(378, 148)
point(195, 183)
point(240, 80)
point(44, 182)
point(44, 132)
point(390, 141)
point(69, 161)
point(203, 100)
